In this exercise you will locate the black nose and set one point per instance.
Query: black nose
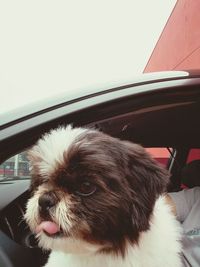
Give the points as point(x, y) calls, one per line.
point(46, 201)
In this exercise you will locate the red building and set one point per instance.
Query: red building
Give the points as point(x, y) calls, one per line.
point(178, 47)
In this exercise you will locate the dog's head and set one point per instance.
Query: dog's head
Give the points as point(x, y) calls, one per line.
point(91, 192)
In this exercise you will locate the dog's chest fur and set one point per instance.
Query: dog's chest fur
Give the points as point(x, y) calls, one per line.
point(158, 247)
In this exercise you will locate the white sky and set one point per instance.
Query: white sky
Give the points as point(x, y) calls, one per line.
point(47, 47)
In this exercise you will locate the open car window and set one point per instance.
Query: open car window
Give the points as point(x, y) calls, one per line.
point(18, 168)
point(15, 168)
point(161, 154)
point(194, 154)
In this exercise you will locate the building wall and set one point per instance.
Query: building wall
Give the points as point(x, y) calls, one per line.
point(178, 47)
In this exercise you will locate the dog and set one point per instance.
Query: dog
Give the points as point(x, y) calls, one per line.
point(98, 201)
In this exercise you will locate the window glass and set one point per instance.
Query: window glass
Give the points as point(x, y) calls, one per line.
point(161, 154)
point(16, 167)
point(194, 154)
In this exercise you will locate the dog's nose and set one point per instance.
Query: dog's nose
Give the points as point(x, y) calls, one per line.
point(46, 201)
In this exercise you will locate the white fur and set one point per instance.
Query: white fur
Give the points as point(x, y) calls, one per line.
point(158, 247)
point(50, 149)
point(61, 214)
point(31, 216)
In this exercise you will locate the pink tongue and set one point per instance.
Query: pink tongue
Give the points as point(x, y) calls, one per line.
point(49, 227)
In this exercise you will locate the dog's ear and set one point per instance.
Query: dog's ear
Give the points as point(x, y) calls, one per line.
point(34, 156)
point(34, 159)
point(147, 180)
point(145, 172)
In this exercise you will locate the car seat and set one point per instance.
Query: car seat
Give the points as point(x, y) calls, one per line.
point(190, 175)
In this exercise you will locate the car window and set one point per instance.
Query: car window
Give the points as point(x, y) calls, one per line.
point(161, 154)
point(194, 154)
point(16, 167)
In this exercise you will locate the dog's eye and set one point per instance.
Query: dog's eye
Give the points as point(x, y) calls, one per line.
point(86, 189)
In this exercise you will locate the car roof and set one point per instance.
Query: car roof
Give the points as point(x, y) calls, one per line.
point(69, 96)
point(150, 111)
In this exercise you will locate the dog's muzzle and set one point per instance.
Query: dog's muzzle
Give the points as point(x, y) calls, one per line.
point(46, 202)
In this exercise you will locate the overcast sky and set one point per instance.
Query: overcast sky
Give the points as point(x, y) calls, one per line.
point(48, 47)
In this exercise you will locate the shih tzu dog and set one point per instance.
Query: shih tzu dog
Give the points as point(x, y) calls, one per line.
point(98, 201)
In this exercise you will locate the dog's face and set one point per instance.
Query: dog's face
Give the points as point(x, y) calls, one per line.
point(91, 192)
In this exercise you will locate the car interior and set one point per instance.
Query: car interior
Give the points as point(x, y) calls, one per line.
point(161, 120)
